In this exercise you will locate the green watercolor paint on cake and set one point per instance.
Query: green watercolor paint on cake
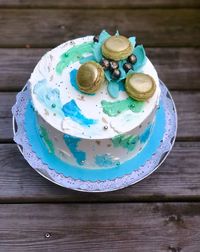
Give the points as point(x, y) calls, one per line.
point(126, 141)
point(47, 140)
point(115, 108)
point(73, 54)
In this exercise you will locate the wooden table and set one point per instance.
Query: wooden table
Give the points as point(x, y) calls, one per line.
point(161, 213)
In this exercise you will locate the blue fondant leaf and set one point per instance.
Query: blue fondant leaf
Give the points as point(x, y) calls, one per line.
point(121, 86)
point(103, 36)
point(113, 89)
point(133, 41)
point(97, 52)
point(108, 75)
point(123, 73)
point(139, 52)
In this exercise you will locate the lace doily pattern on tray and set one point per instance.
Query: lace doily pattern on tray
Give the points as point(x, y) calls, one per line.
point(151, 165)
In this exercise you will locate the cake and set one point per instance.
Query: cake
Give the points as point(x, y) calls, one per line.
point(95, 100)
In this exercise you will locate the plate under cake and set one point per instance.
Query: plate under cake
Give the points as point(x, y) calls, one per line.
point(92, 131)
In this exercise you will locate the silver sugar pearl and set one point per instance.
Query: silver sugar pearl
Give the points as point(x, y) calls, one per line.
point(47, 235)
point(105, 127)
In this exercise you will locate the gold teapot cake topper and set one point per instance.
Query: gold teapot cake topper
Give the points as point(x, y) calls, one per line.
point(118, 61)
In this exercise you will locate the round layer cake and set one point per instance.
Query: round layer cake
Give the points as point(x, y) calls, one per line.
point(91, 130)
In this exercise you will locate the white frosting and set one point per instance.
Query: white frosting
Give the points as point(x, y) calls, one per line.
point(90, 105)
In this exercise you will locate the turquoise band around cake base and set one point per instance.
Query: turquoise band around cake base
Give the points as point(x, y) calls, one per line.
point(94, 175)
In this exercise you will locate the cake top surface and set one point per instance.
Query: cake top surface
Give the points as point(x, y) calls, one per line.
point(105, 113)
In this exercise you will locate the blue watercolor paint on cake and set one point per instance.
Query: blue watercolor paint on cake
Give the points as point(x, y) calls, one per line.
point(73, 82)
point(105, 160)
point(68, 170)
point(145, 135)
point(49, 97)
point(72, 110)
point(72, 144)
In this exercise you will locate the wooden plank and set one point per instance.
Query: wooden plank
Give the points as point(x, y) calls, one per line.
point(100, 227)
point(188, 106)
point(16, 65)
point(154, 27)
point(98, 4)
point(177, 179)
point(178, 67)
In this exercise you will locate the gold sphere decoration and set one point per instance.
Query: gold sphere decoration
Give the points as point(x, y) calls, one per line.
point(90, 77)
point(117, 47)
point(140, 86)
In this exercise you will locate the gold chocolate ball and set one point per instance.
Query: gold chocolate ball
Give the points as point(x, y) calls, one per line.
point(140, 86)
point(90, 77)
point(117, 48)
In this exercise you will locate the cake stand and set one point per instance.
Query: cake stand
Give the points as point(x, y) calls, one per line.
point(52, 168)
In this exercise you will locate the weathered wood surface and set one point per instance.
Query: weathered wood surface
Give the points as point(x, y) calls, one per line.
point(99, 4)
point(187, 103)
point(114, 221)
point(177, 67)
point(47, 28)
point(163, 227)
point(177, 179)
